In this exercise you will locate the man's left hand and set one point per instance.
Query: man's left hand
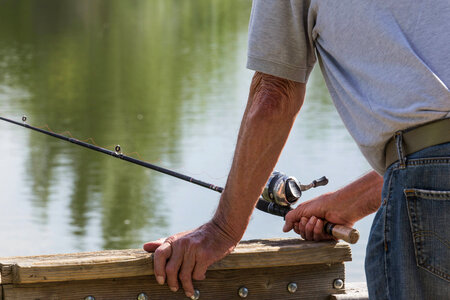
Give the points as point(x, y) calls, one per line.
point(187, 255)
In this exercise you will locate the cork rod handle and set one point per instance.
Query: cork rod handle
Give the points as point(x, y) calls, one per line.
point(350, 235)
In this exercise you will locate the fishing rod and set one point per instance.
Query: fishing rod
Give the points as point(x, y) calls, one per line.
point(280, 192)
point(116, 153)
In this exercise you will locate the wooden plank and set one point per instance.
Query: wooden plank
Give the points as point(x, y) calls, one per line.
point(131, 263)
point(314, 282)
point(353, 291)
point(6, 273)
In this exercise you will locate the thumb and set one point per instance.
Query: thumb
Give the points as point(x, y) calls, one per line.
point(289, 221)
point(152, 246)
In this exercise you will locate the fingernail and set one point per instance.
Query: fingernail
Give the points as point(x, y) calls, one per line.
point(173, 289)
point(190, 295)
point(193, 297)
point(160, 279)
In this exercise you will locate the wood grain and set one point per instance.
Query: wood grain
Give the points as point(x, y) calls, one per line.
point(314, 282)
point(6, 273)
point(350, 235)
point(132, 263)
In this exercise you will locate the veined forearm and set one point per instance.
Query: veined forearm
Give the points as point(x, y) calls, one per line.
point(366, 193)
point(271, 110)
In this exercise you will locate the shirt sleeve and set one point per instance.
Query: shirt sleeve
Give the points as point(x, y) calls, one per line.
point(279, 42)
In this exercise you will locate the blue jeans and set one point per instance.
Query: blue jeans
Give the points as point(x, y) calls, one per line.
point(408, 254)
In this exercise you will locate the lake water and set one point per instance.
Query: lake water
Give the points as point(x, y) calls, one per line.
point(163, 78)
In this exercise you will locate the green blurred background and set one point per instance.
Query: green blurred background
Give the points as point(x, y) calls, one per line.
point(164, 78)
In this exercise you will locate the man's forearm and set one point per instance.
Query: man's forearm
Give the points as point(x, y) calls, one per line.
point(365, 193)
point(271, 110)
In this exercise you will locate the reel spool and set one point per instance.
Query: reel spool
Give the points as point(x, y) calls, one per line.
point(282, 189)
point(286, 190)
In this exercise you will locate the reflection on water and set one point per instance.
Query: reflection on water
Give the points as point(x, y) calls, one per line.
point(116, 71)
point(165, 78)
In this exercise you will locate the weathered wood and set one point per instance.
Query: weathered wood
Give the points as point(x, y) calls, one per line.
point(132, 263)
point(5, 273)
point(314, 282)
point(353, 291)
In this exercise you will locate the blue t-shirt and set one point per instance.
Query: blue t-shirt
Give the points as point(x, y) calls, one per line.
point(386, 63)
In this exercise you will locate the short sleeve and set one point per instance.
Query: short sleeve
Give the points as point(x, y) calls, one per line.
point(279, 43)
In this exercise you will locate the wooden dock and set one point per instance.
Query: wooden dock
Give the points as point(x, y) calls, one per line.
point(264, 269)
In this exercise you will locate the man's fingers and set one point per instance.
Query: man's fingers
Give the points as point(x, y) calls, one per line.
point(185, 274)
point(318, 231)
point(173, 267)
point(152, 246)
point(301, 226)
point(309, 228)
point(291, 218)
point(199, 271)
point(162, 253)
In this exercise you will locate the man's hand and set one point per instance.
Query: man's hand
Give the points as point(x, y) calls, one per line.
point(272, 107)
point(307, 218)
point(187, 255)
point(345, 206)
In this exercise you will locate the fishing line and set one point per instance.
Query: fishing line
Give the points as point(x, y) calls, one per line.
point(262, 204)
point(88, 140)
point(117, 153)
point(111, 147)
point(279, 193)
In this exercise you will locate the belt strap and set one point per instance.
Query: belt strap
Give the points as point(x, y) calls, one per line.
point(418, 138)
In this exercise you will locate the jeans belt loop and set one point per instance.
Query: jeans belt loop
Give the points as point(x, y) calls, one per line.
point(400, 151)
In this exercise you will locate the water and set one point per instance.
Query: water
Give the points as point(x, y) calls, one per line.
point(163, 78)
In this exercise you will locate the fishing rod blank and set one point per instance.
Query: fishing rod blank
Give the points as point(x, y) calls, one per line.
point(117, 154)
point(338, 231)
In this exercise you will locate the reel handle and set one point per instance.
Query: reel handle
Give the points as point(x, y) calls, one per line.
point(350, 235)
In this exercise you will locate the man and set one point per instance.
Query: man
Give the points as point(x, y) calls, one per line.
point(387, 66)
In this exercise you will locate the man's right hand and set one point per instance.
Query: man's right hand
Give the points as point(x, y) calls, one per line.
point(344, 206)
point(187, 255)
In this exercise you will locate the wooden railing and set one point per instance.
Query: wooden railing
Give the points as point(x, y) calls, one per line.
point(265, 268)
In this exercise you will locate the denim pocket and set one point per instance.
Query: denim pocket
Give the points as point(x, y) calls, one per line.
point(429, 219)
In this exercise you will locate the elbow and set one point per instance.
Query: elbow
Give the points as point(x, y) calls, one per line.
point(274, 98)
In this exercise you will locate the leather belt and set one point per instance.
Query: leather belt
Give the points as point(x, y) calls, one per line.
point(417, 138)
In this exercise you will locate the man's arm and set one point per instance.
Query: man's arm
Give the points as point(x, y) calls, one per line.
point(271, 110)
point(344, 206)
